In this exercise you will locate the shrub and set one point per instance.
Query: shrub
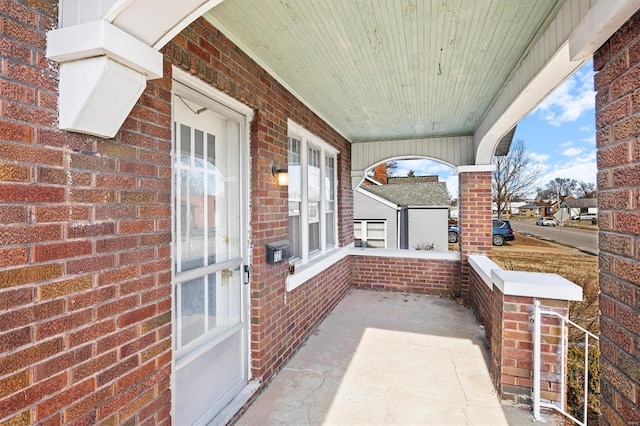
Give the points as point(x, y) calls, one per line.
point(424, 246)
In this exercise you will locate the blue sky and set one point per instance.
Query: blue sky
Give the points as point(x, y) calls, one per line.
point(559, 134)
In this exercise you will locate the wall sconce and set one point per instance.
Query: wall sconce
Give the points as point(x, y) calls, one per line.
point(281, 174)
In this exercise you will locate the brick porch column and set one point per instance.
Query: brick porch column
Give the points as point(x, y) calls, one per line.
point(617, 63)
point(504, 303)
point(474, 205)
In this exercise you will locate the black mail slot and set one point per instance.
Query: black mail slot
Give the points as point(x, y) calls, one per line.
point(278, 251)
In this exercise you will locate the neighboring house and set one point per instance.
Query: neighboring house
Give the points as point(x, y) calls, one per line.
point(401, 216)
point(535, 209)
point(512, 208)
point(516, 206)
point(574, 207)
point(555, 205)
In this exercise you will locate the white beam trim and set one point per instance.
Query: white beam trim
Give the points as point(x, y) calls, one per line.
point(602, 21)
point(546, 66)
point(556, 71)
point(163, 19)
point(99, 38)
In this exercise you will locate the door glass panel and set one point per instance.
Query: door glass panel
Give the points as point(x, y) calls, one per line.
point(191, 310)
point(208, 192)
point(199, 147)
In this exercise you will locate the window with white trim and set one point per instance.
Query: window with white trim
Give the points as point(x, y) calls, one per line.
point(312, 194)
point(370, 233)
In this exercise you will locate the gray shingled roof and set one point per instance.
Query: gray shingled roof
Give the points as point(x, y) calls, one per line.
point(428, 194)
point(581, 203)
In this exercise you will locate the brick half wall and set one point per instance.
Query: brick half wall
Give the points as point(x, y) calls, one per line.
point(435, 277)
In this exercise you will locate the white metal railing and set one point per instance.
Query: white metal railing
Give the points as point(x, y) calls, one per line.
point(537, 403)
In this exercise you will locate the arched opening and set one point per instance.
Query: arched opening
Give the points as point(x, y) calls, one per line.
point(406, 203)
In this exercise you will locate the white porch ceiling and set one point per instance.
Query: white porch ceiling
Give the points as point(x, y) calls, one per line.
point(381, 70)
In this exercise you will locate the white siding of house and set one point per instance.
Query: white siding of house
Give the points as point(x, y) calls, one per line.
point(428, 226)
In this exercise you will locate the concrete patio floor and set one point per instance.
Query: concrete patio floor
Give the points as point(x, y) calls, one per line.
point(388, 359)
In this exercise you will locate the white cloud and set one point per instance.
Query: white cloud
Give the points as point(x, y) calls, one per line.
point(566, 144)
point(581, 168)
point(571, 152)
point(452, 186)
point(573, 98)
point(591, 140)
point(586, 129)
point(422, 167)
point(538, 158)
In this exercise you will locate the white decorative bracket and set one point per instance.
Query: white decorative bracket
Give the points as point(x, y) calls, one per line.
point(103, 72)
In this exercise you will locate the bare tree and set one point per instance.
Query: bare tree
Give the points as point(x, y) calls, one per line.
point(514, 176)
point(543, 194)
point(562, 187)
point(392, 168)
point(586, 190)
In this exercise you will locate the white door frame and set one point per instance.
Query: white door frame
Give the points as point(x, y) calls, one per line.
point(187, 85)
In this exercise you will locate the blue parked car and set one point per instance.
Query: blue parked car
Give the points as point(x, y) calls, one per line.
point(501, 232)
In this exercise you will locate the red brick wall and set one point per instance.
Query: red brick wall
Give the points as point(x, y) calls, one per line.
point(426, 276)
point(509, 330)
point(85, 276)
point(512, 348)
point(280, 323)
point(617, 127)
point(481, 301)
point(474, 201)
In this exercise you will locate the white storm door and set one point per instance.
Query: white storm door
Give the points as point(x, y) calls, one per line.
point(210, 331)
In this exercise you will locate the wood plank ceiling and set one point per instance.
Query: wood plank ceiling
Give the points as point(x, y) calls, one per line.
point(381, 70)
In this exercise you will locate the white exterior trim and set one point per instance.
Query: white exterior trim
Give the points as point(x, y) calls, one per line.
point(377, 198)
point(542, 70)
point(475, 169)
point(601, 22)
point(99, 38)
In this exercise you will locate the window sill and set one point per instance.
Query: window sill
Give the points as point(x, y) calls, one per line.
point(305, 272)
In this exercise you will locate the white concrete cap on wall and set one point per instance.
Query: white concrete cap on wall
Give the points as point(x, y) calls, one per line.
point(536, 284)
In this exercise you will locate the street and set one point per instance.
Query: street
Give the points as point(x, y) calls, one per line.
point(583, 239)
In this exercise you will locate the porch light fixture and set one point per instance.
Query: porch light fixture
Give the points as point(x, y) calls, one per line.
point(281, 174)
